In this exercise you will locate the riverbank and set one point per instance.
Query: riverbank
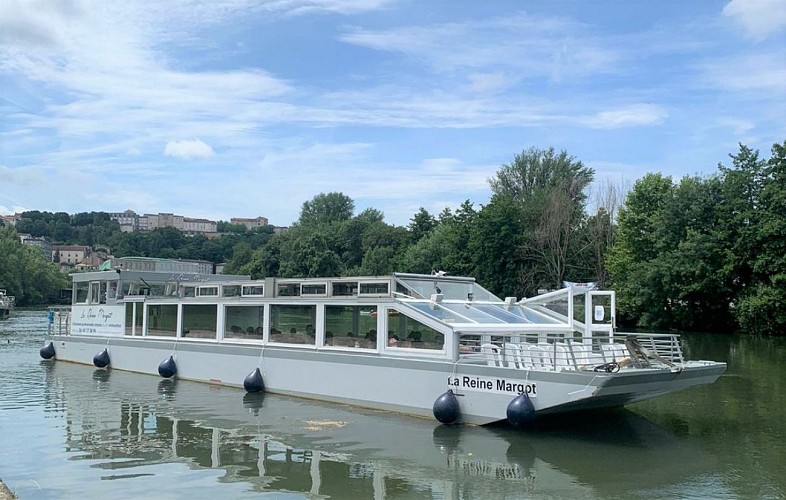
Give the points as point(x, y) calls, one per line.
point(5, 493)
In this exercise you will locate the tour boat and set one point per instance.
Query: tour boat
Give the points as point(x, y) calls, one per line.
point(6, 304)
point(428, 345)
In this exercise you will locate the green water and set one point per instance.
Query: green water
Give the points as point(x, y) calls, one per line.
point(70, 431)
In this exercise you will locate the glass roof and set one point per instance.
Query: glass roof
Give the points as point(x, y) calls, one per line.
point(490, 314)
point(451, 288)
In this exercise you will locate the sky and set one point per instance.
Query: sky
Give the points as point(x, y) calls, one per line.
point(243, 108)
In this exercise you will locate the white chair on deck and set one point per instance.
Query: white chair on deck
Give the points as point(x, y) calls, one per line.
point(513, 356)
point(540, 357)
point(562, 358)
point(491, 353)
point(614, 352)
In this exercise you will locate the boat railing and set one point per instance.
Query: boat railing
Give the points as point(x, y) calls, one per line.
point(59, 320)
point(555, 352)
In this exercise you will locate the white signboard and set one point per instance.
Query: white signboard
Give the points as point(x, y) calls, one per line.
point(97, 319)
point(492, 384)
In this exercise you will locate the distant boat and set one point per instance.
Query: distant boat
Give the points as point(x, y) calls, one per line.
point(6, 304)
point(410, 343)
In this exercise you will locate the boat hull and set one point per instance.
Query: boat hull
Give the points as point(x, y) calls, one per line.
point(390, 383)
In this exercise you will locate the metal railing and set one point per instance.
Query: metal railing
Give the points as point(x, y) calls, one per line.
point(59, 320)
point(560, 352)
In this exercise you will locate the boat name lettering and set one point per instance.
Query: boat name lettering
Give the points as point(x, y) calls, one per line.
point(100, 314)
point(188, 277)
point(497, 385)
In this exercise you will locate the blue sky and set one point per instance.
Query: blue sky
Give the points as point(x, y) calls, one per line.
point(236, 108)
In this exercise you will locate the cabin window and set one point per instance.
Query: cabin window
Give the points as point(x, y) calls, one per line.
point(80, 292)
point(250, 290)
point(208, 291)
point(129, 318)
point(351, 326)
point(130, 288)
point(244, 322)
point(134, 317)
point(111, 291)
point(199, 321)
point(189, 291)
point(314, 289)
point(288, 289)
point(407, 332)
point(293, 324)
point(95, 292)
point(162, 320)
point(230, 290)
point(345, 289)
point(374, 288)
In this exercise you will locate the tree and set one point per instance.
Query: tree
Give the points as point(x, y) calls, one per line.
point(550, 189)
point(421, 224)
point(326, 209)
point(535, 169)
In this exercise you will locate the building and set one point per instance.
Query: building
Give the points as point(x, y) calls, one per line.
point(11, 220)
point(250, 223)
point(128, 220)
point(70, 255)
point(131, 222)
point(199, 225)
point(42, 243)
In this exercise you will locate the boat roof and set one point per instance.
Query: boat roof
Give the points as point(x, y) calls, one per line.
point(457, 302)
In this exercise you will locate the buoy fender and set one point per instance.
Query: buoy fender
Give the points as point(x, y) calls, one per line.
point(168, 367)
point(253, 382)
point(47, 351)
point(446, 408)
point(101, 359)
point(520, 410)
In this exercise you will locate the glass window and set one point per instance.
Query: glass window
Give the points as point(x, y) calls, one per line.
point(230, 290)
point(129, 318)
point(345, 289)
point(288, 289)
point(95, 292)
point(189, 291)
point(81, 288)
point(293, 324)
point(162, 319)
point(351, 326)
point(208, 291)
point(314, 289)
point(404, 331)
point(244, 322)
point(199, 321)
point(374, 288)
point(253, 290)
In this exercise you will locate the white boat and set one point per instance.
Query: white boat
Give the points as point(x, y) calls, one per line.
point(7, 303)
point(426, 345)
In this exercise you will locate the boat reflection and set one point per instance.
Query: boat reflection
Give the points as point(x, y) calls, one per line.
point(124, 421)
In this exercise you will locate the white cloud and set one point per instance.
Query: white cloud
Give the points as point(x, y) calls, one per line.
point(755, 73)
point(488, 82)
point(533, 46)
point(635, 115)
point(759, 18)
point(189, 149)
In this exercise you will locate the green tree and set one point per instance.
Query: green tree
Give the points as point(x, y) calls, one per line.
point(421, 224)
point(326, 209)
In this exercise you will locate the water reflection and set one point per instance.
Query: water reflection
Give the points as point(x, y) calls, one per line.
point(124, 423)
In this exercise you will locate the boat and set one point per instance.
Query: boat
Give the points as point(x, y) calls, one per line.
point(7, 303)
point(435, 346)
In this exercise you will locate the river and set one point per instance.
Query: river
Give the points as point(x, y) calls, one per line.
point(71, 431)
